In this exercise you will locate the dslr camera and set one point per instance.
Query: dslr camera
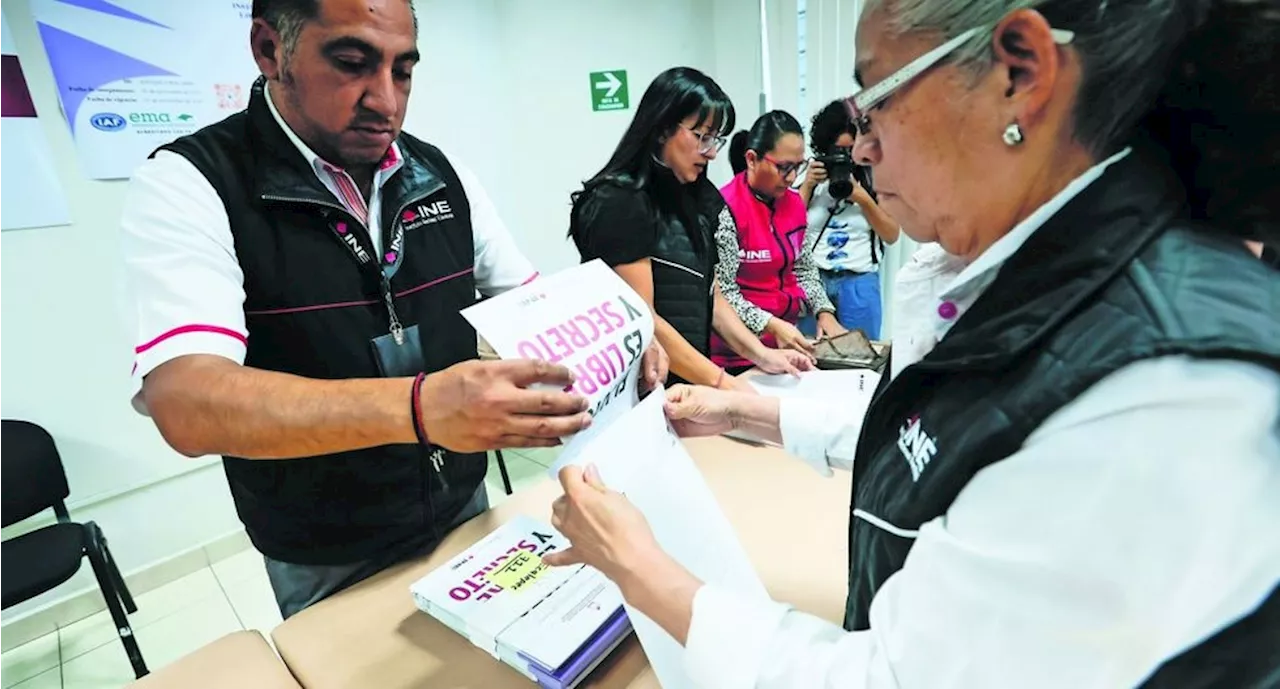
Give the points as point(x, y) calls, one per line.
point(842, 171)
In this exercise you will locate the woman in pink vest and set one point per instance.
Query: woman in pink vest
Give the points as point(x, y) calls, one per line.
point(766, 270)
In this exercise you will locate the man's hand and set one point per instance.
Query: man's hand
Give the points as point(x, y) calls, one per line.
point(654, 366)
point(788, 336)
point(828, 326)
point(485, 405)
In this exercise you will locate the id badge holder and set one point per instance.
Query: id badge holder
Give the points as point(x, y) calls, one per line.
point(399, 352)
point(400, 358)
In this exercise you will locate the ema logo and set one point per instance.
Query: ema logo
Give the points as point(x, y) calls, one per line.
point(916, 446)
point(755, 255)
point(427, 214)
point(108, 122)
point(159, 118)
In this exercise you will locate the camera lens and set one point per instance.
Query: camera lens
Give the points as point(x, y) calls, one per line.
point(841, 188)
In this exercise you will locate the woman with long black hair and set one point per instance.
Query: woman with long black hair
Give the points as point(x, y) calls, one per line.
point(651, 214)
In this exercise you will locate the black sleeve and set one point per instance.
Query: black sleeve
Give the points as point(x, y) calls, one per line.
point(615, 225)
point(1270, 256)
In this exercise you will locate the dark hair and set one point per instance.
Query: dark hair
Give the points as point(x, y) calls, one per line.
point(828, 124)
point(738, 152)
point(673, 96)
point(1216, 116)
point(762, 137)
point(287, 17)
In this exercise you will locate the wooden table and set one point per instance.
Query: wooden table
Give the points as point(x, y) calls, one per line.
point(792, 523)
point(242, 659)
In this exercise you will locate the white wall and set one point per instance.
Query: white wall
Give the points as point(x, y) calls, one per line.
point(503, 86)
point(511, 92)
point(830, 49)
point(65, 362)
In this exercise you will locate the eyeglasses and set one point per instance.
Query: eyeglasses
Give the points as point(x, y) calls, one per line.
point(707, 142)
point(862, 102)
point(788, 169)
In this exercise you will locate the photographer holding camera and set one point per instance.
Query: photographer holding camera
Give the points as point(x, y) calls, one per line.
point(847, 229)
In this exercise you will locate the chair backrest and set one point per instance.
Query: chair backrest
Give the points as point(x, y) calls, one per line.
point(31, 473)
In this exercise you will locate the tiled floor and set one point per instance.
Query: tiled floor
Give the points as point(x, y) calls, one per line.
point(180, 617)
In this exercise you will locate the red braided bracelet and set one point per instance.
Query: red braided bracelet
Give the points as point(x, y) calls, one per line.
point(415, 408)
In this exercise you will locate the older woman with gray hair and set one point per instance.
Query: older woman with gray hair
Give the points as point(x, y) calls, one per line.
point(1078, 484)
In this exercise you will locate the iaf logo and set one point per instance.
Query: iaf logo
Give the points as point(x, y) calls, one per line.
point(107, 122)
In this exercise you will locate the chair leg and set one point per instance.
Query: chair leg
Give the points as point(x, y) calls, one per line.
point(116, 579)
point(102, 570)
point(502, 469)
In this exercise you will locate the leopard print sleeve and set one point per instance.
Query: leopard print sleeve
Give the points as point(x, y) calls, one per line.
point(754, 317)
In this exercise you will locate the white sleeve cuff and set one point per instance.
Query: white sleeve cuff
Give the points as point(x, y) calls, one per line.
point(499, 264)
point(729, 638)
point(805, 432)
point(224, 342)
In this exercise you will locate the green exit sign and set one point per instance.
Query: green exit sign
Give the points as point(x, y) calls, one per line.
point(609, 90)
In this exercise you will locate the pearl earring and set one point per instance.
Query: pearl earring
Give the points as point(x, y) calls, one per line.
point(1012, 135)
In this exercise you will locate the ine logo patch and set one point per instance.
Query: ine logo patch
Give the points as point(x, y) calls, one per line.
point(755, 255)
point(425, 214)
point(916, 446)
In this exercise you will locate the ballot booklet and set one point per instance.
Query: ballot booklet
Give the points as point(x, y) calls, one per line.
point(552, 624)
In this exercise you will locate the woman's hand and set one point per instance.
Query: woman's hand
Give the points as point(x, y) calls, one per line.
point(788, 336)
point(860, 195)
point(607, 532)
point(696, 412)
point(654, 366)
point(815, 175)
point(740, 384)
point(828, 326)
point(604, 529)
point(784, 361)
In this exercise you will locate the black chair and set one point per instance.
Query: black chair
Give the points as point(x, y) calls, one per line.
point(33, 480)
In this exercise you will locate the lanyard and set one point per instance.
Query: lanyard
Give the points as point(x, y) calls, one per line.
point(387, 264)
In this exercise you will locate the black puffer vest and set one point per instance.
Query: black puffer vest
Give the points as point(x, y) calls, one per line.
point(312, 310)
point(1113, 278)
point(681, 219)
point(684, 257)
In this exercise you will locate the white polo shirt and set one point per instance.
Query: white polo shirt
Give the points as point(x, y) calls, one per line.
point(1136, 521)
point(184, 285)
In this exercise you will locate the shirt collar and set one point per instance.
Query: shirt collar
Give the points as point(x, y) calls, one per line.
point(979, 274)
point(391, 161)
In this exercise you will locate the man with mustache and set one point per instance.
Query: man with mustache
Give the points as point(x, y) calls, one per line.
point(298, 271)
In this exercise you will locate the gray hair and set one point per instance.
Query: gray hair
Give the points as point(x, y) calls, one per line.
point(1125, 47)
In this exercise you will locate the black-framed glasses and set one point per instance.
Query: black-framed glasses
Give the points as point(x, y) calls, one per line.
point(788, 169)
point(861, 103)
point(708, 142)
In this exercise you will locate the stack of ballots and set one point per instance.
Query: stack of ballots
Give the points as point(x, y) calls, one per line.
point(553, 625)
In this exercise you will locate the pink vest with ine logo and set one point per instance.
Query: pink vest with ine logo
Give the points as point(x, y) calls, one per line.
point(770, 236)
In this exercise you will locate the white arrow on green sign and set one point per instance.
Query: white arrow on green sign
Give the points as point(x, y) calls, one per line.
point(609, 90)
